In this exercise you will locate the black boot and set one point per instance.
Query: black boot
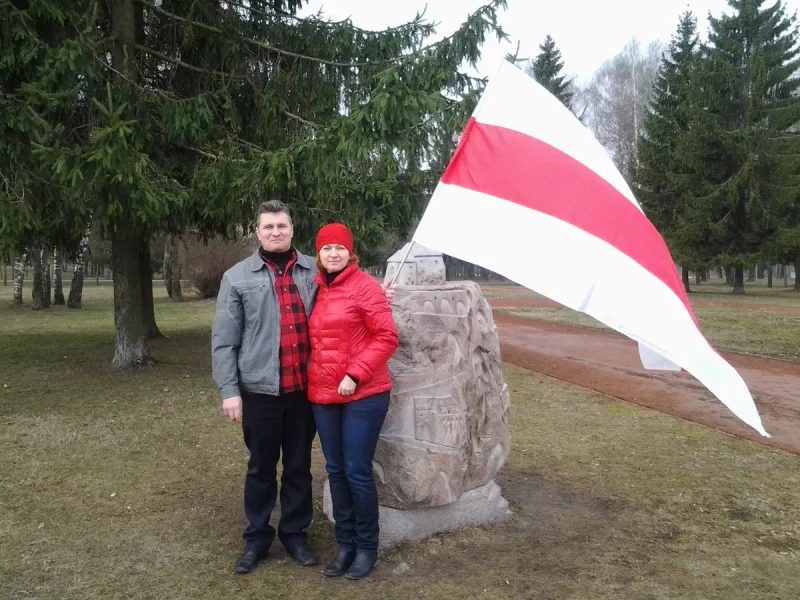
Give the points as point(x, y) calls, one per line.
point(363, 564)
point(342, 562)
point(248, 561)
point(302, 555)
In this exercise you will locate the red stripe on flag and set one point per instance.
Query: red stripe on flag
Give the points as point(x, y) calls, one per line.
point(518, 168)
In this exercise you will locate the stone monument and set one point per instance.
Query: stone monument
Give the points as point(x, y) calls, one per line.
point(446, 435)
point(423, 266)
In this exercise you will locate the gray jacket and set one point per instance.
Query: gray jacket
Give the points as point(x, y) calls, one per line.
point(245, 336)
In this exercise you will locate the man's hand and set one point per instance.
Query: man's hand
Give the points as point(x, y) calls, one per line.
point(232, 407)
point(389, 290)
point(347, 387)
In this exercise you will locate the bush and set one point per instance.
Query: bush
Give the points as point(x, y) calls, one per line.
point(206, 263)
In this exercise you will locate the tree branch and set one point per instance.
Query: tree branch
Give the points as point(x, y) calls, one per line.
point(256, 43)
point(302, 120)
point(316, 21)
point(186, 65)
point(10, 188)
point(281, 52)
point(210, 156)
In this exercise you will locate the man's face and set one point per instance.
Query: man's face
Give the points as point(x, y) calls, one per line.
point(274, 232)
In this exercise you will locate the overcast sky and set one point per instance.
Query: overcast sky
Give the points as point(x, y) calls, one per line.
point(589, 32)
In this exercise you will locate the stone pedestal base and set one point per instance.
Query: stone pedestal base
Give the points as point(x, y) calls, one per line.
point(478, 507)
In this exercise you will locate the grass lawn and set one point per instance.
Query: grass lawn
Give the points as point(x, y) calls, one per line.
point(714, 291)
point(751, 331)
point(738, 323)
point(756, 291)
point(130, 486)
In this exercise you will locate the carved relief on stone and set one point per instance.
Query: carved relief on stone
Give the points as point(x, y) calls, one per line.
point(447, 427)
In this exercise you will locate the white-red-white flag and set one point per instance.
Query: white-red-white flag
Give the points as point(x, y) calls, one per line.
point(531, 194)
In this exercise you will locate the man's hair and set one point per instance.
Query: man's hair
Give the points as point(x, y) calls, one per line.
point(273, 206)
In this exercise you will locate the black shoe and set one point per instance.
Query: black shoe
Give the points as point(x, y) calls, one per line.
point(248, 561)
point(341, 563)
point(362, 565)
point(302, 555)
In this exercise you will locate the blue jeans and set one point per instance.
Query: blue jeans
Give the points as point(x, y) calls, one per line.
point(349, 434)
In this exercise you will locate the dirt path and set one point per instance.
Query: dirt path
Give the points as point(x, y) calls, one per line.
point(609, 363)
point(545, 303)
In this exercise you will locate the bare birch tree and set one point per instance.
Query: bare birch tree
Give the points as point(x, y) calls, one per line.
point(76, 289)
point(19, 277)
point(617, 99)
point(58, 284)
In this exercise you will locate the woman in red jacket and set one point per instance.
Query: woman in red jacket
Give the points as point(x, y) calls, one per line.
point(352, 335)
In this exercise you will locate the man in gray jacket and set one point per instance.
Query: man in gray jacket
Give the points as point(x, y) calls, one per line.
point(259, 353)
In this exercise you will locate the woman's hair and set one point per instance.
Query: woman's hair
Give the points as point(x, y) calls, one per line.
point(353, 261)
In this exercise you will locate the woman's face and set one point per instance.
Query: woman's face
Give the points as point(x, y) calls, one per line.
point(334, 257)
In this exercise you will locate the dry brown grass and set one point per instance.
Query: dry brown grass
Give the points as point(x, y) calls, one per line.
point(129, 486)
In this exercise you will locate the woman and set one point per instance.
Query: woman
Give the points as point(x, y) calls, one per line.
point(352, 337)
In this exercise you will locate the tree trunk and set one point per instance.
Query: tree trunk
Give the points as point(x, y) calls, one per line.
point(5, 273)
point(37, 288)
point(127, 238)
point(796, 273)
point(769, 276)
point(58, 285)
point(751, 274)
point(167, 270)
point(786, 275)
point(19, 277)
point(129, 312)
point(97, 273)
point(47, 283)
point(729, 276)
point(703, 276)
point(738, 280)
point(146, 266)
point(685, 279)
point(76, 289)
point(175, 269)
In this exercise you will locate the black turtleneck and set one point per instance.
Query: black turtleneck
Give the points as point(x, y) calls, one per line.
point(331, 276)
point(281, 259)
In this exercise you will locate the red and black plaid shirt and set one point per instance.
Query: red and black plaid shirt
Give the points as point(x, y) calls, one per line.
point(295, 346)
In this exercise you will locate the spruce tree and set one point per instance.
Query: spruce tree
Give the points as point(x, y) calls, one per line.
point(740, 164)
point(187, 114)
point(33, 213)
point(665, 122)
point(547, 68)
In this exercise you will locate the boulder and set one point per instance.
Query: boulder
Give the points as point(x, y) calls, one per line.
point(447, 430)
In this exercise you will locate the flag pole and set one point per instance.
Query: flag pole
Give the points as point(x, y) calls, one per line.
point(402, 262)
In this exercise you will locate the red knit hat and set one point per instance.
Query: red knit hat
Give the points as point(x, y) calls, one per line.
point(335, 233)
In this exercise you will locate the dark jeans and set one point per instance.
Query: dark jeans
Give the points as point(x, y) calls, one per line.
point(349, 434)
point(272, 424)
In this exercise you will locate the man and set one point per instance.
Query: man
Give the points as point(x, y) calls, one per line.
point(259, 351)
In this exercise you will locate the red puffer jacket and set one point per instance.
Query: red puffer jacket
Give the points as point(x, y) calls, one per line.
point(352, 332)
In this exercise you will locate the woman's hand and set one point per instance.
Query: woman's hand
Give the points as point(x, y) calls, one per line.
point(347, 387)
point(389, 291)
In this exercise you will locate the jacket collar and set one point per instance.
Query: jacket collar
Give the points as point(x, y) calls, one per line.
point(256, 263)
point(321, 276)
